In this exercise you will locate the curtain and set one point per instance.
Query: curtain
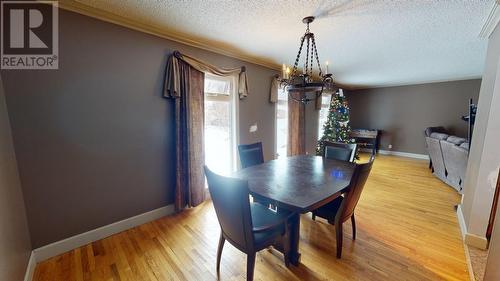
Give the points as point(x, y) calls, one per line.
point(275, 87)
point(296, 128)
point(185, 85)
point(273, 93)
point(184, 82)
point(173, 72)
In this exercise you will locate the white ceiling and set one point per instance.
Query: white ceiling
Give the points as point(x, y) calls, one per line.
point(368, 43)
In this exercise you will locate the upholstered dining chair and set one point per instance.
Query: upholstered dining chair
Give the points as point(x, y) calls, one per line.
point(342, 208)
point(251, 154)
point(340, 151)
point(249, 227)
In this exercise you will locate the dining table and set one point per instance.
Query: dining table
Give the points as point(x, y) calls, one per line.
point(297, 184)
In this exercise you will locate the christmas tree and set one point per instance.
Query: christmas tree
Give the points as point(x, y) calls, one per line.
point(336, 127)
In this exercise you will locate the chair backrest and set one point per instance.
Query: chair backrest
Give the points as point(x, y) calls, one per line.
point(351, 198)
point(251, 154)
point(232, 206)
point(340, 151)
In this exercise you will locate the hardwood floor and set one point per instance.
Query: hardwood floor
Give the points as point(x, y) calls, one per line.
point(406, 230)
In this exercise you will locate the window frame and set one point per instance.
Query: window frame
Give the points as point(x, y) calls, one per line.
point(233, 98)
point(323, 106)
point(276, 122)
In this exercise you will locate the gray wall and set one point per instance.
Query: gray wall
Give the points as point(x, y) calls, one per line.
point(478, 196)
point(403, 112)
point(94, 139)
point(15, 247)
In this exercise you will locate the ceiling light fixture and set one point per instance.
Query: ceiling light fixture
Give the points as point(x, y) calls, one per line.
point(305, 87)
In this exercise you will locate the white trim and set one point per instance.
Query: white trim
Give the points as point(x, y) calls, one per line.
point(30, 269)
point(461, 221)
point(492, 21)
point(413, 83)
point(469, 238)
point(469, 263)
point(399, 153)
point(476, 241)
point(404, 154)
point(235, 119)
point(79, 240)
point(186, 39)
point(463, 231)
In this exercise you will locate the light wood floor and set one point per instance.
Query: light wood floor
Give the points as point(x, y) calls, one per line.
point(407, 230)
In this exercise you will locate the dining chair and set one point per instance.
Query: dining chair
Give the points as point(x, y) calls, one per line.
point(251, 154)
point(249, 227)
point(342, 208)
point(340, 151)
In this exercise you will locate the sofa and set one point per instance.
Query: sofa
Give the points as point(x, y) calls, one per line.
point(448, 156)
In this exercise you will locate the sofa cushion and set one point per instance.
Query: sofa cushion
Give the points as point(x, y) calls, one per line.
point(429, 130)
point(456, 140)
point(439, 136)
point(455, 159)
point(436, 156)
point(465, 145)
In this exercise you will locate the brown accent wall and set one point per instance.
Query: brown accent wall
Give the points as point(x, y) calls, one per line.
point(403, 112)
point(94, 139)
point(15, 247)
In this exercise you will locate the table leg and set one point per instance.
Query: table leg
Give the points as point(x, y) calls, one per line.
point(294, 226)
point(293, 240)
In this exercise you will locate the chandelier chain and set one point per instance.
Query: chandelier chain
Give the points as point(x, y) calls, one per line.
point(306, 71)
point(317, 57)
point(296, 64)
point(312, 62)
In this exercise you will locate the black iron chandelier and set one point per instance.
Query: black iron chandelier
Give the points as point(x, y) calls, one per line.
point(305, 87)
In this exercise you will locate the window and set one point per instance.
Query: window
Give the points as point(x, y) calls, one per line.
point(323, 113)
point(220, 124)
point(281, 124)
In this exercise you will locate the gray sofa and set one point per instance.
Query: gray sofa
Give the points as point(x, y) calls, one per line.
point(448, 155)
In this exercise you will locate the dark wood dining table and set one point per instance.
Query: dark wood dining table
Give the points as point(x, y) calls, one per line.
point(298, 184)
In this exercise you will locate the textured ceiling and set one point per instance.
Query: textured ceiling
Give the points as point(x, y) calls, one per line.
point(368, 43)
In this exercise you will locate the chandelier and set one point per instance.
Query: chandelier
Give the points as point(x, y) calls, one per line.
point(305, 87)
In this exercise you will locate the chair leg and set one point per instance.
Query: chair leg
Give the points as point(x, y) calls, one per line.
point(313, 216)
point(339, 234)
point(250, 266)
point(353, 222)
point(219, 251)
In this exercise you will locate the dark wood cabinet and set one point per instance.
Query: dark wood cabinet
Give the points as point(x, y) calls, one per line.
point(367, 138)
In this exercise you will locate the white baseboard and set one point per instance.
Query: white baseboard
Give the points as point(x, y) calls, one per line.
point(30, 269)
point(461, 221)
point(400, 153)
point(469, 238)
point(404, 154)
point(469, 263)
point(476, 241)
point(79, 240)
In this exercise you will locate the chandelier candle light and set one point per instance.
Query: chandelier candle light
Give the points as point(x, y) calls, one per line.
point(306, 86)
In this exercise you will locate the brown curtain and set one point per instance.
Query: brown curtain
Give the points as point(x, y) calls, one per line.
point(188, 94)
point(172, 80)
point(296, 128)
